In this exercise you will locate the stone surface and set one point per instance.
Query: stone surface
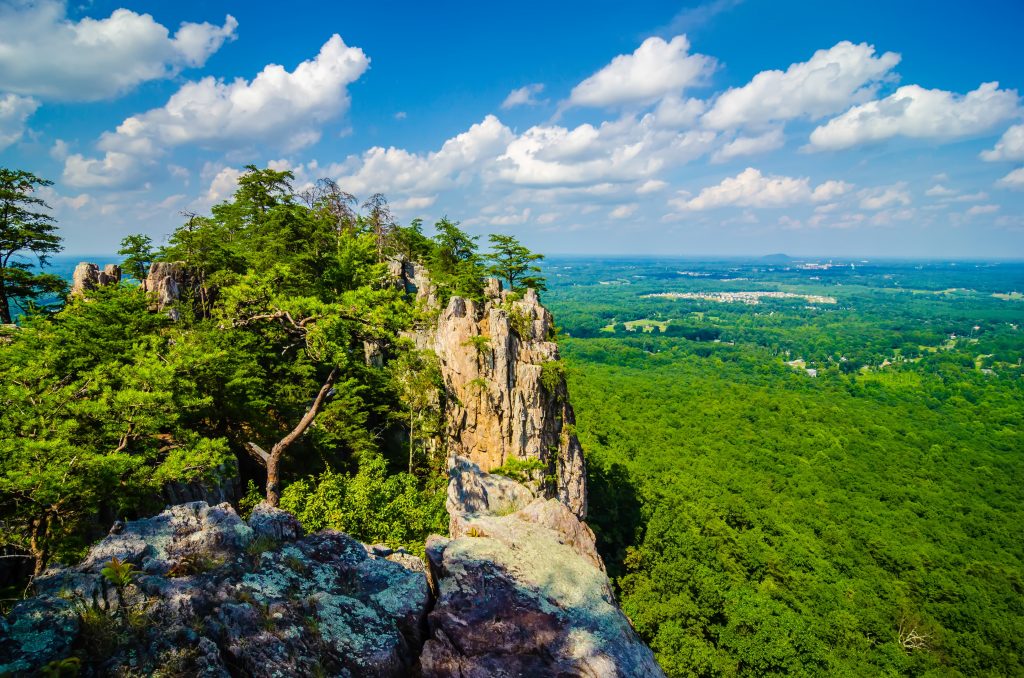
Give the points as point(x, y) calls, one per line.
point(492, 358)
point(523, 593)
point(215, 596)
point(165, 281)
point(88, 276)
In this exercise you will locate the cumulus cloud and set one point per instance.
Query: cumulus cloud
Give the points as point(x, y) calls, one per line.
point(829, 82)
point(1009, 147)
point(278, 108)
point(750, 188)
point(627, 149)
point(651, 186)
point(396, 170)
point(884, 196)
point(743, 145)
point(1014, 179)
point(524, 96)
point(14, 114)
point(939, 191)
point(656, 68)
point(623, 211)
point(45, 54)
point(919, 113)
point(982, 209)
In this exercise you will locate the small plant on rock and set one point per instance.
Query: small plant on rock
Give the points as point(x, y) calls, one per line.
point(119, 573)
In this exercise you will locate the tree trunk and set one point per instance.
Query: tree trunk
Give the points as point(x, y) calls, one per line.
point(5, 304)
point(412, 438)
point(273, 460)
point(37, 546)
point(274, 479)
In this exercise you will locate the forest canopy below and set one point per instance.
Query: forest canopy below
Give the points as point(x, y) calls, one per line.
point(866, 521)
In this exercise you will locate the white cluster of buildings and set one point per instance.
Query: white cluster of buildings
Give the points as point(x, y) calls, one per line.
point(743, 297)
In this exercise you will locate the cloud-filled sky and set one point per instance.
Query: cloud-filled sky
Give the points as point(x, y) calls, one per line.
point(717, 127)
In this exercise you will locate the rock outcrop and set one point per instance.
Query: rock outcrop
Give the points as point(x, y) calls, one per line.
point(521, 590)
point(508, 398)
point(165, 281)
point(88, 276)
point(215, 596)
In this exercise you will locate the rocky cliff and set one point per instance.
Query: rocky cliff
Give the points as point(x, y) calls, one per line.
point(508, 398)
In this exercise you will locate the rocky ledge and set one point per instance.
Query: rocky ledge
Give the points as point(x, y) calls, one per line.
point(517, 590)
point(201, 592)
point(521, 590)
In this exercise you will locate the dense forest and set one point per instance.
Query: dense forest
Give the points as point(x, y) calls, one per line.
point(282, 362)
point(762, 521)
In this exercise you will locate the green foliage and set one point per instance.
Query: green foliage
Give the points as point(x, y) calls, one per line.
point(479, 342)
point(24, 230)
point(455, 266)
point(514, 264)
point(519, 319)
point(520, 470)
point(119, 573)
point(252, 498)
point(194, 563)
point(137, 250)
point(374, 507)
point(60, 668)
point(762, 522)
point(552, 376)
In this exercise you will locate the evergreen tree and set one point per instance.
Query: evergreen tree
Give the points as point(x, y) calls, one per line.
point(514, 263)
point(24, 230)
point(137, 250)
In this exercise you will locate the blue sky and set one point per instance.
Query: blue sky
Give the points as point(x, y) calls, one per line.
point(722, 127)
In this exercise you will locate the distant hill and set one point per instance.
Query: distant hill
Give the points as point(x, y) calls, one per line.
point(776, 258)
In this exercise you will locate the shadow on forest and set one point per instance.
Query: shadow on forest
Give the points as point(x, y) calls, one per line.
point(614, 512)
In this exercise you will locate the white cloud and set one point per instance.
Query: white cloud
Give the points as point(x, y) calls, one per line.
point(967, 197)
point(59, 150)
point(939, 191)
point(14, 114)
point(419, 203)
point(741, 146)
point(656, 68)
point(1009, 147)
point(884, 196)
point(222, 186)
point(1014, 179)
point(827, 83)
point(626, 149)
point(524, 96)
point(651, 186)
point(396, 170)
point(623, 211)
point(401, 115)
point(45, 54)
point(919, 113)
point(750, 188)
point(279, 108)
point(982, 209)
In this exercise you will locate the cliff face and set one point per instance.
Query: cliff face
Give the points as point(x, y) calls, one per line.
point(510, 400)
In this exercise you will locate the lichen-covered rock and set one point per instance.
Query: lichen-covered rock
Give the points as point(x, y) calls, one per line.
point(523, 593)
point(214, 596)
point(510, 399)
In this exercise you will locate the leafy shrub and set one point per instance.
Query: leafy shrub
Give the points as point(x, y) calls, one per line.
point(520, 470)
point(552, 374)
point(398, 510)
point(119, 573)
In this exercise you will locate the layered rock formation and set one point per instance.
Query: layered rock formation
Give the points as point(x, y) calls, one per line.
point(214, 596)
point(521, 590)
point(88, 276)
point(508, 395)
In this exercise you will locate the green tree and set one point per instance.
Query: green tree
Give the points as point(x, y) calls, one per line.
point(514, 263)
point(455, 265)
point(24, 229)
point(417, 379)
point(137, 250)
